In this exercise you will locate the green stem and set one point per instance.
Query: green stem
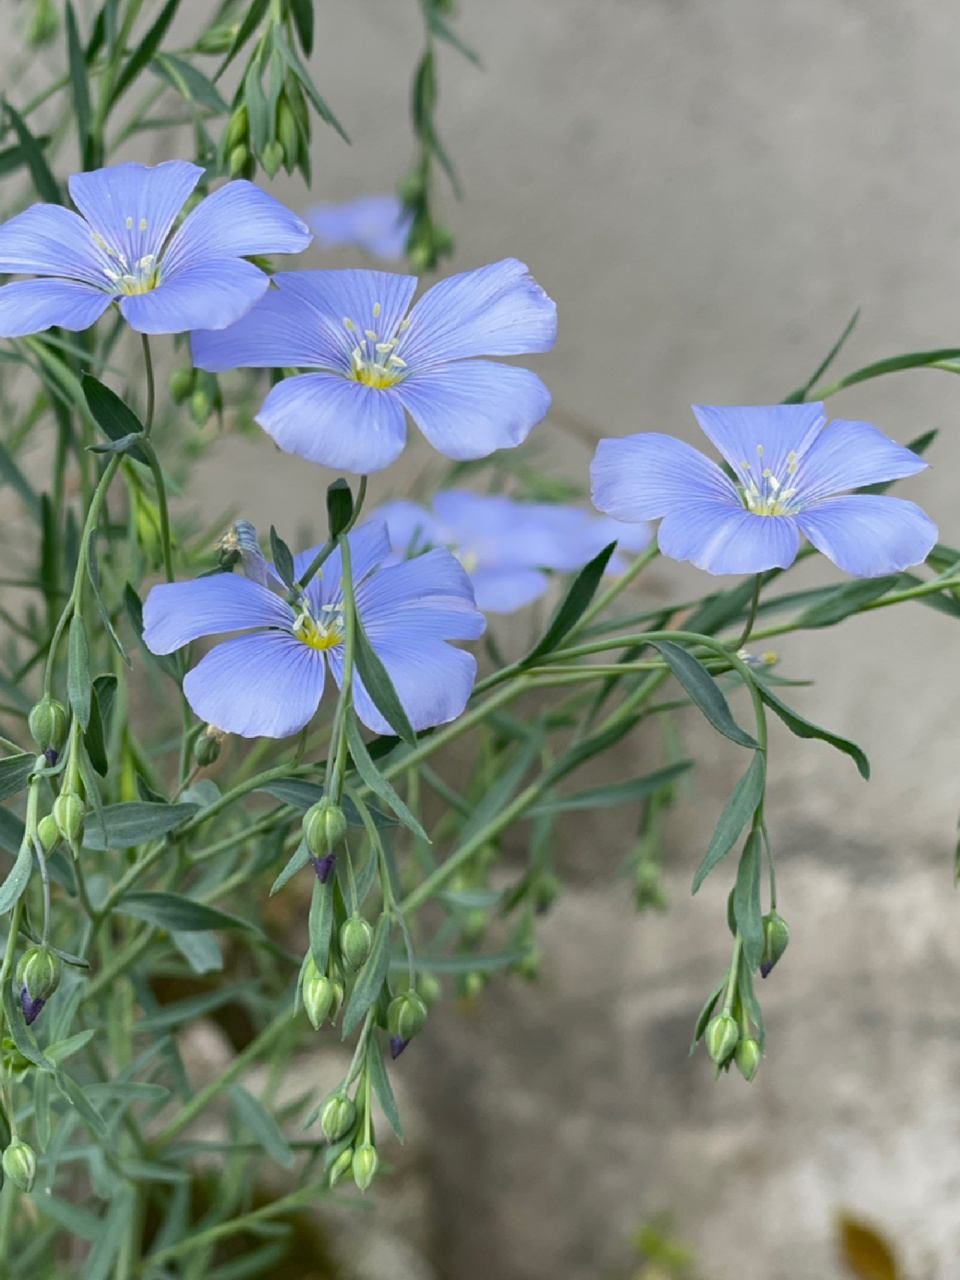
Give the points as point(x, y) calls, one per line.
point(327, 549)
point(731, 988)
point(603, 601)
point(752, 615)
point(151, 387)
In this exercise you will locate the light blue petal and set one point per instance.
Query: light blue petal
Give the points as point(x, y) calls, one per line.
point(29, 306)
point(506, 590)
point(47, 240)
point(498, 310)
point(643, 477)
point(177, 612)
point(369, 546)
point(374, 300)
point(375, 223)
point(409, 525)
point(280, 332)
point(867, 535)
point(847, 455)
point(635, 536)
point(237, 220)
point(761, 437)
point(486, 530)
point(325, 418)
point(474, 407)
point(133, 206)
point(429, 596)
point(266, 685)
point(210, 296)
point(719, 539)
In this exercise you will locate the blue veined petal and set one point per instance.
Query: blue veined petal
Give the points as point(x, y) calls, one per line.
point(133, 206)
point(506, 590)
point(429, 596)
point(432, 679)
point(487, 530)
point(48, 240)
point(266, 685)
point(742, 432)
point(177, 612)
point(209, 296)
point(720, 539)
point(280, 332)
point(409, 526)
point(326, 418)
point(643, 477)
point(369, 546)
point(237, 220)
point(498, 310)
point(867, 535)
point(29, 306)
point(375, 223)
point(474, 407)
point(374, 300)
point(847, 455)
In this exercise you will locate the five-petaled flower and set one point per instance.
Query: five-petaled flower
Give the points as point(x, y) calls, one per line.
point(268, 682)
point(505, 545)
point(375, 223)
point(373, 361)
point(119, 248)
point(791, 473)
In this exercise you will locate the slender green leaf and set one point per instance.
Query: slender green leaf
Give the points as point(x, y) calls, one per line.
point(282, 558)
point(11, 832)
point(95, 736)
point(188, 81)
point(252, 19)
point(616, 793)
point(64, 1049)
point(847, 598)
point(200, 950)
point(802, 728)
point(716, 610)
point(321, 923)
point(303, 75)
point(44, 182)
point(11, 474)
point(706, 1013)
point(379, 686)
point(115, 419)
point(302, 794)
point(469, 962)
point(19, 877)
point(377, 783)
point(134, 606)
point(145, 50)
point(339, 507)
point(79, 684)
point(302, 13)
point(572, 607)
point(580, 752)
point(737, 812)
point(503, 790)
point(370, 979)
point(93, 833)
point(71, 1217)
point(114, 1230)
point(136, 821)
point(800, 395)
point(93, 573)
point(41, 1108)
point(747, 910)
point(254, 1116)
point(377, 1071)
point(895, 364)
point(178, 914)
point(703, 689)
point(298, 860)
point(749, 999)
point(23, 1037)
point(15, 773)
point(78, 78)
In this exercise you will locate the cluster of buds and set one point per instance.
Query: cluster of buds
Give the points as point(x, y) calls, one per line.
point(198, 389)
point(428, 241)
point(281, 138)
point(38, 976)
point(349, 1128)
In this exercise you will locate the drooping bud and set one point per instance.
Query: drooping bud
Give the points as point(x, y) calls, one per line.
point(38, 973)
point(356, 937)
point(341, 1166)
point(429, 988)
point(288, 132)
point(721, 1038)
point(317, 993)
point(271, 158)
point(406, 1016)
point(337, 1116)
point(20, 1165)
point(200, 405)
point(337, 999)
point(545, 893)
point(181, 384)
point(31, 1008)
point(323, 867)
point(48, 724)
point(776, 935)
point(206, 749)
point(397, 1047)
point(237, 129)
point(48, 833)
point(365, 1165)
point(68, 815)
point(44, 24)
point(747, 1057)
point(324, 826)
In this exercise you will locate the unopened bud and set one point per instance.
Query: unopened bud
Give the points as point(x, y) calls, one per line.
point(545, 893)
point(721, 1037)
point(44, 24)
point(237, 160)
point(288, 133)
point(323, 867)
point(38, 973)
point(365, 1165)
point(356, 937)
point(200, 406)
point(317, 994)
point(237, 129)
point(48, 833)
point(20, 1165)
point(181, 384)
point(206, 749)
point(337, 1116)
point(410, 188)
point(406, 1016)
point(217, 40)
point(429, 988)
point(324, 826)
point(271, 158)
point(341, 1166)
point(747, 1057)
point(776, 935)
point(68, 815)
point(48, 724)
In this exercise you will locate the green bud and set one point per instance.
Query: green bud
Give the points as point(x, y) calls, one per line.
point(337, 999)
point(44, 24)
point(410, 188)
point(341, 1166)
point(324, 826)
point(365, 1164)
point(20, 1165)
point(217, 40)
point(317, 993)
point(529, 967)
point(429, 988)
point(747, 1057)
point(200, 406)
point(288, 132)
point(337, 1116)
point(406, 1015)
point(237, 159)
point(206, 749)
point(181, 384)
point(356, 937)
point(48, 833)
point(271, 158)
point(473, 983)
point(39, 972)
point(776, 935)
point(721, 1038)
point(237, 130)
point(68, 815)
point(443, 241)
point(48, 724)
point(545, 893)
point(13, 1059)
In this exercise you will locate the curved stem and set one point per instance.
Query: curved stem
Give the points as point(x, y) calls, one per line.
point(752, 615)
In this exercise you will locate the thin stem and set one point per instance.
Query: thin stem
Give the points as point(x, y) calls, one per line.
point(327, 549)
point(602, 602)
point(752, 615)
point(731, 988)
point(151, 388)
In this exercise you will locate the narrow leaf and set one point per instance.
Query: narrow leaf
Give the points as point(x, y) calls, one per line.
point(376, 781)
point(78, 78)
point(302, 13)
point(136, 821)
point(19, 877)
point(79, 684)
point(377, 1071)
point(254, 1116)
point(379, 686)
point(339, 507)
point(282, 558)
point(44, 182)
point(846, 599)
point(15, 773)
point(572, 607)
point(616, 793)
point(703, 689)
point(802, 728)
point(252, 19)
point(706, 1013)
point(370, 979)
point(737, 812)
point(178, 914)
point(145, 50)
point(115, 419)
point(321, 923)
point(747, 910)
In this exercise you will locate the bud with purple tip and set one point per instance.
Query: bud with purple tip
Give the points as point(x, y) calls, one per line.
point(323, 867)
point(38, 976)
point(776, 935)
point(405, 1019)
point(324, 826)
point(48, 725)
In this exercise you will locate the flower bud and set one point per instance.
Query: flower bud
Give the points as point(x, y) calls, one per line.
point(48, 724)
point(68, 815)
point(356, 937)
point(429, 988)
point(341, 1166)
point(200, 405)
point(776, 935)
point(337, 1116)
point(288, 132)
point(181, 384)
point(365, 1164)
point(206, 749)
point(217, 40)
point(20, 1165)
point(38, 973)
point(271, 158)
point(410, 188)
point(545, 893)
point(237, 160)
point(317, 994)
point(237, 130)
point(747, 1057)
point(406, 1016)
point(337, 999)
point(44, 24)
point(721, 1037)
point(324, 826)
point(48, 833)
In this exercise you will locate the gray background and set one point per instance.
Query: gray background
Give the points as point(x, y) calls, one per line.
point(708, 188)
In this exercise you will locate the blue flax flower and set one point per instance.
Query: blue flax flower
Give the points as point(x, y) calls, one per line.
point(375, 223)
point(504, 545)
point(374, 361)
point(790, 472)
point(119, 248)
point(268, 682)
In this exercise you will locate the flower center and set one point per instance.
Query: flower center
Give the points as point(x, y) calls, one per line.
point(140, 277)
point(765, 494)
point(374, 360)
point(325, 633)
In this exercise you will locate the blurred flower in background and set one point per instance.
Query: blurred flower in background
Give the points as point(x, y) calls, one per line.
point(374, 223)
